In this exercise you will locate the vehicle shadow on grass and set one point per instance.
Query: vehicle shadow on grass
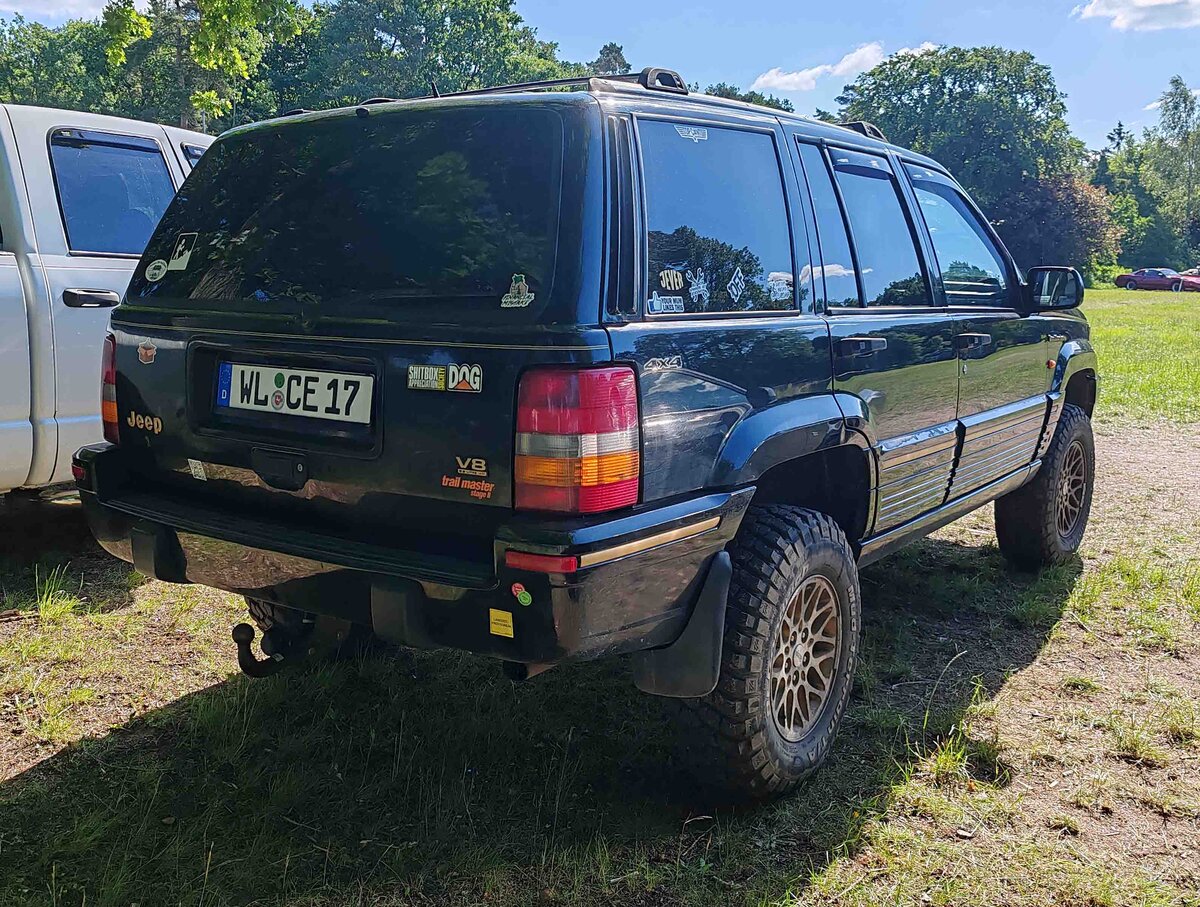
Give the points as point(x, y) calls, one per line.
point(428, 778)
point(46, 549)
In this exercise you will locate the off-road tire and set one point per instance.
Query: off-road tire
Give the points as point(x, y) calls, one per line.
point(734, 741)
point(1027, 520)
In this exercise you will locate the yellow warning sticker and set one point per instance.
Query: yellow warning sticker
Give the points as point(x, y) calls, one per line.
point(500, 623)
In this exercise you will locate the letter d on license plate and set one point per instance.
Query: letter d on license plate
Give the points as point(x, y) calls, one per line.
point(334, 396)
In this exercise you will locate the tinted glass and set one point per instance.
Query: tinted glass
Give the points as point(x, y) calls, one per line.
point(973, 272)
point(717, 220)
point(404, 212)
point(887, 254)
point(112, 189)
point(841, 284)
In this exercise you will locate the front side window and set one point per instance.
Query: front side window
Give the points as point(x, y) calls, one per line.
point(717, 222)
point(973, 270)
point(112, 189)
point(887, 252)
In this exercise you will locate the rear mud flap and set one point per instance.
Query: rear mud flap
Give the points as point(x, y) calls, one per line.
point(691, 666)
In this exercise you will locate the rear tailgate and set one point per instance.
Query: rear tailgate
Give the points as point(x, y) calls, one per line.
point(333, 317)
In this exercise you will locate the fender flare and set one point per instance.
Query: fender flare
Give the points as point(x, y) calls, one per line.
point(1074, 357)
point(778, 434)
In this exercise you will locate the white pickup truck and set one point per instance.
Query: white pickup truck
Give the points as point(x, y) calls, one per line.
point(80, 195)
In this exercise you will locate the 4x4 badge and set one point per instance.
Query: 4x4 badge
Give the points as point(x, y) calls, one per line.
point(518, 295)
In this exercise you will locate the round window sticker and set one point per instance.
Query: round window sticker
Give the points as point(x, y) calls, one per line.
point(156, 270)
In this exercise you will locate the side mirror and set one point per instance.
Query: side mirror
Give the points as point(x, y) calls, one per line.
point(1053, 288)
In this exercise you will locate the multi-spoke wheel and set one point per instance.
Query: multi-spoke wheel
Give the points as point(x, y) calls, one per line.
point(805, 662)
point(791, 643)
point(1043, 522)
point(1072, 489)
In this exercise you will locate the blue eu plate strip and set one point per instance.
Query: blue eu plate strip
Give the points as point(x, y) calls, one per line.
point(224, 380)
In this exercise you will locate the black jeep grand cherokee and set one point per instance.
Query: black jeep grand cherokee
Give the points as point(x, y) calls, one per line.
point(552, 376)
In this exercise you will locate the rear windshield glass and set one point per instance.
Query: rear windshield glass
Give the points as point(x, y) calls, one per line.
point(384, 215)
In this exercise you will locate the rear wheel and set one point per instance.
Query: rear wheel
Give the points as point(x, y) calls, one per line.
point(1042, 523)
point(791, 645)
point(1131, 285)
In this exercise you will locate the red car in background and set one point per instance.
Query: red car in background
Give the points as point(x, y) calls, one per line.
point(1158, 279)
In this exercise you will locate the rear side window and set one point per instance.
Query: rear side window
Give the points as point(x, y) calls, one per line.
point(112, 189)
point(837, 268)
point(717, 222)
point(883, 239)
point(973, 271)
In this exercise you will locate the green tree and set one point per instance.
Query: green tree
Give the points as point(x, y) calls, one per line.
point(611, 61)
point(192, 57)
point(724, 90)
point(995, 117)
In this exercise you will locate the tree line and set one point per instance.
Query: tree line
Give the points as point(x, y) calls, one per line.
point(994, 116)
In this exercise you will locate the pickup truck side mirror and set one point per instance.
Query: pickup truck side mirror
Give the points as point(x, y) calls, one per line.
point(1053, 288)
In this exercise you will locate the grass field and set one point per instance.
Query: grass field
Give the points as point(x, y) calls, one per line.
point(1013, 740)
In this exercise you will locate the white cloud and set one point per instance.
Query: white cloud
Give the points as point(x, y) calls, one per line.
point(923, 48)
point(1154, 105)
point(1142, 15)
point(53, 9)
point(862, 58)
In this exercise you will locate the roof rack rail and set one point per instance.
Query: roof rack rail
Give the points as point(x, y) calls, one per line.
point(651, 77)
point(870, 130)
point(295, 111)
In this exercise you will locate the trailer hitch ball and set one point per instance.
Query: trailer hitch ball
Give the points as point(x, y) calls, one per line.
point(243, 636)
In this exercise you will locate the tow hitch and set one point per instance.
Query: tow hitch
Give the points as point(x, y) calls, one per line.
point(317, 637)
point(243, 636)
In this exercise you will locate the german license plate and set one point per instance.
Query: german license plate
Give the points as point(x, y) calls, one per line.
point(334, 396)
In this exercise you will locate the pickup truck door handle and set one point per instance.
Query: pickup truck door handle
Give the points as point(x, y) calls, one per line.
point(973, 341)
point(861, 346)
point(90, 299)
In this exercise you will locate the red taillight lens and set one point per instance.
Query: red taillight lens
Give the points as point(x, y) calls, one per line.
point(108, 391)
point(578, 440)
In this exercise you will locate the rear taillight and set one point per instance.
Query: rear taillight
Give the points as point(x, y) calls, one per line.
point(108, 391)
point(578, 441)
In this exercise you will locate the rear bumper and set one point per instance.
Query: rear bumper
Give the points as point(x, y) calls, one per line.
point(638, 580)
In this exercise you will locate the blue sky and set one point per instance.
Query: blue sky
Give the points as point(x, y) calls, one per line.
point(1111, 57)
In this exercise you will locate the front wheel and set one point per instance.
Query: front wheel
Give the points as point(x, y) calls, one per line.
point(791, 644)
point(1042, 523)
point(1132, 285)
point(1177, 286)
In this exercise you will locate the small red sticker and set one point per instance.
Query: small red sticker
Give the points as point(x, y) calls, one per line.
point(518, 588)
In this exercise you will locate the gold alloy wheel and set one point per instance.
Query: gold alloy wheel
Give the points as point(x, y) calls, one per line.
point(1071, 490)
point(806, 657)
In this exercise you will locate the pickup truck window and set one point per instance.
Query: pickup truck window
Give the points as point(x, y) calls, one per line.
point(887, 251)
point(973, 272)
point(112, 189)
point(717, 220)
point(837, 268)
point(192, 153)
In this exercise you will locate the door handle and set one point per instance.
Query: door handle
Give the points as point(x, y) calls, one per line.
point(973, 341)
point(90, 299)
point(861, 346)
